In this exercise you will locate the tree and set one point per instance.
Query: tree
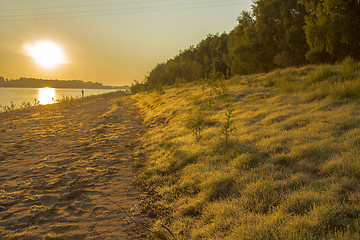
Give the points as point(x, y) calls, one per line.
point(280, 32)
point(243, 54)
point(271, 36)
point(2, 81)
point(332, 29)
point(211, 50)
point(157, 77)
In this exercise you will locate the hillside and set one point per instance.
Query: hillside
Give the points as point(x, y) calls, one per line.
point(265, 156)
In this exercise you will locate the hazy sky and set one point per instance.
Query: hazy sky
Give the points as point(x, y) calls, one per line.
point(109, 41)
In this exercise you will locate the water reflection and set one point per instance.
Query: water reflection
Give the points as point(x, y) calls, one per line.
point(46, 95)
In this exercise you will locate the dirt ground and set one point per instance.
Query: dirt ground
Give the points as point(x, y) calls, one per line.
point(66, 171)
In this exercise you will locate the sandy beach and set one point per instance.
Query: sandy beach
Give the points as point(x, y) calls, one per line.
point(66, 170)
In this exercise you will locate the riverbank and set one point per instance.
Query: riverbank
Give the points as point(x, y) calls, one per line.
point(66, 170)
point(263, 156)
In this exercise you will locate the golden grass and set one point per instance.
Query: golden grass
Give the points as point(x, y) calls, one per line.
point(289, 171)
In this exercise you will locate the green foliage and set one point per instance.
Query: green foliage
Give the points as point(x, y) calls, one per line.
point(332, 29)
point(340, 81)
point(286, 81)
point(243, 58)
point(345, 90)
point(320, 74)
point(227, 127)
point(275, 34)
point(280, 34)
point(190, 65)
point(215, 84)
point(196, 124)
point(160, 89)
point(137, 87)
point(349, 69)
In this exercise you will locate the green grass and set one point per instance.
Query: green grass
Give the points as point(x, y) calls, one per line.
point(291, 169)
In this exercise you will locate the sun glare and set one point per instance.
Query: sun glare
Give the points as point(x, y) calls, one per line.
point(46, 53)
point(46, 96)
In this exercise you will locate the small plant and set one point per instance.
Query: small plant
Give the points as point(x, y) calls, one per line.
point(160, 89)
point(6, 108)
point(227, 127)
point(65, 99)
point(9, 108)
point(25, 105)
point(137, 87)
point(12, 105)
point(207, 86)
point(223, 90)
point(196, 124)
point(216, 84)
point(36, 102)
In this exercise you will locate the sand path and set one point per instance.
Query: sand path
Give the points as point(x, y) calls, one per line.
point(66, 171)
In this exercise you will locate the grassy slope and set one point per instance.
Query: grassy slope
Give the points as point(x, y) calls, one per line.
point(291, 169)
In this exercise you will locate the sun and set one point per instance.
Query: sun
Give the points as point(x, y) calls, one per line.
point(47, 54)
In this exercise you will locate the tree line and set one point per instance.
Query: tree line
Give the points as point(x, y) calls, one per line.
point(40, 83)
point(274, 34)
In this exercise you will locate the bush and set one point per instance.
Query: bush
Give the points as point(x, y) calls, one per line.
point(196, 124)
point(227, 127)
point(349, 89)
point(349, 69)
point(320, 74)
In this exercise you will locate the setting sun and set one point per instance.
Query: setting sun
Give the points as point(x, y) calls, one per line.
point(46, 53)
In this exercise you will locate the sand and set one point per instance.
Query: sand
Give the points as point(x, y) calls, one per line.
point(66, 170)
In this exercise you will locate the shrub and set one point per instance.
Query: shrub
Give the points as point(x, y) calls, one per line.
point(320, 74)
point(346, 90)
point(349, 69)
point(36, 102)
point(227, 127)
point(196, 124)
point(286, 81)
point(25, 105)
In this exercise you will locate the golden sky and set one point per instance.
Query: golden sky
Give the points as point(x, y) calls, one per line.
point(113, 42)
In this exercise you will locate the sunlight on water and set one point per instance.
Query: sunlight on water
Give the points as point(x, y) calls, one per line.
point(46, 95)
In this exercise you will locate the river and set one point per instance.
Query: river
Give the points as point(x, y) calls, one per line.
point(18, 96)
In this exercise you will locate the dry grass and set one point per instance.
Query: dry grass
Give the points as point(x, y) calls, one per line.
point(289, 171)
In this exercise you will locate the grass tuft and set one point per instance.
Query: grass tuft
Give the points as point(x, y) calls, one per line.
point(320, 74)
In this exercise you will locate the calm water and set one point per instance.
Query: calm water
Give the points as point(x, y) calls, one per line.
point(44, 95)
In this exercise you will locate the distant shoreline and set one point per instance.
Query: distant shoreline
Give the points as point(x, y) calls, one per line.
point(41, 83)
point(115, 87)
point(14, 97)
